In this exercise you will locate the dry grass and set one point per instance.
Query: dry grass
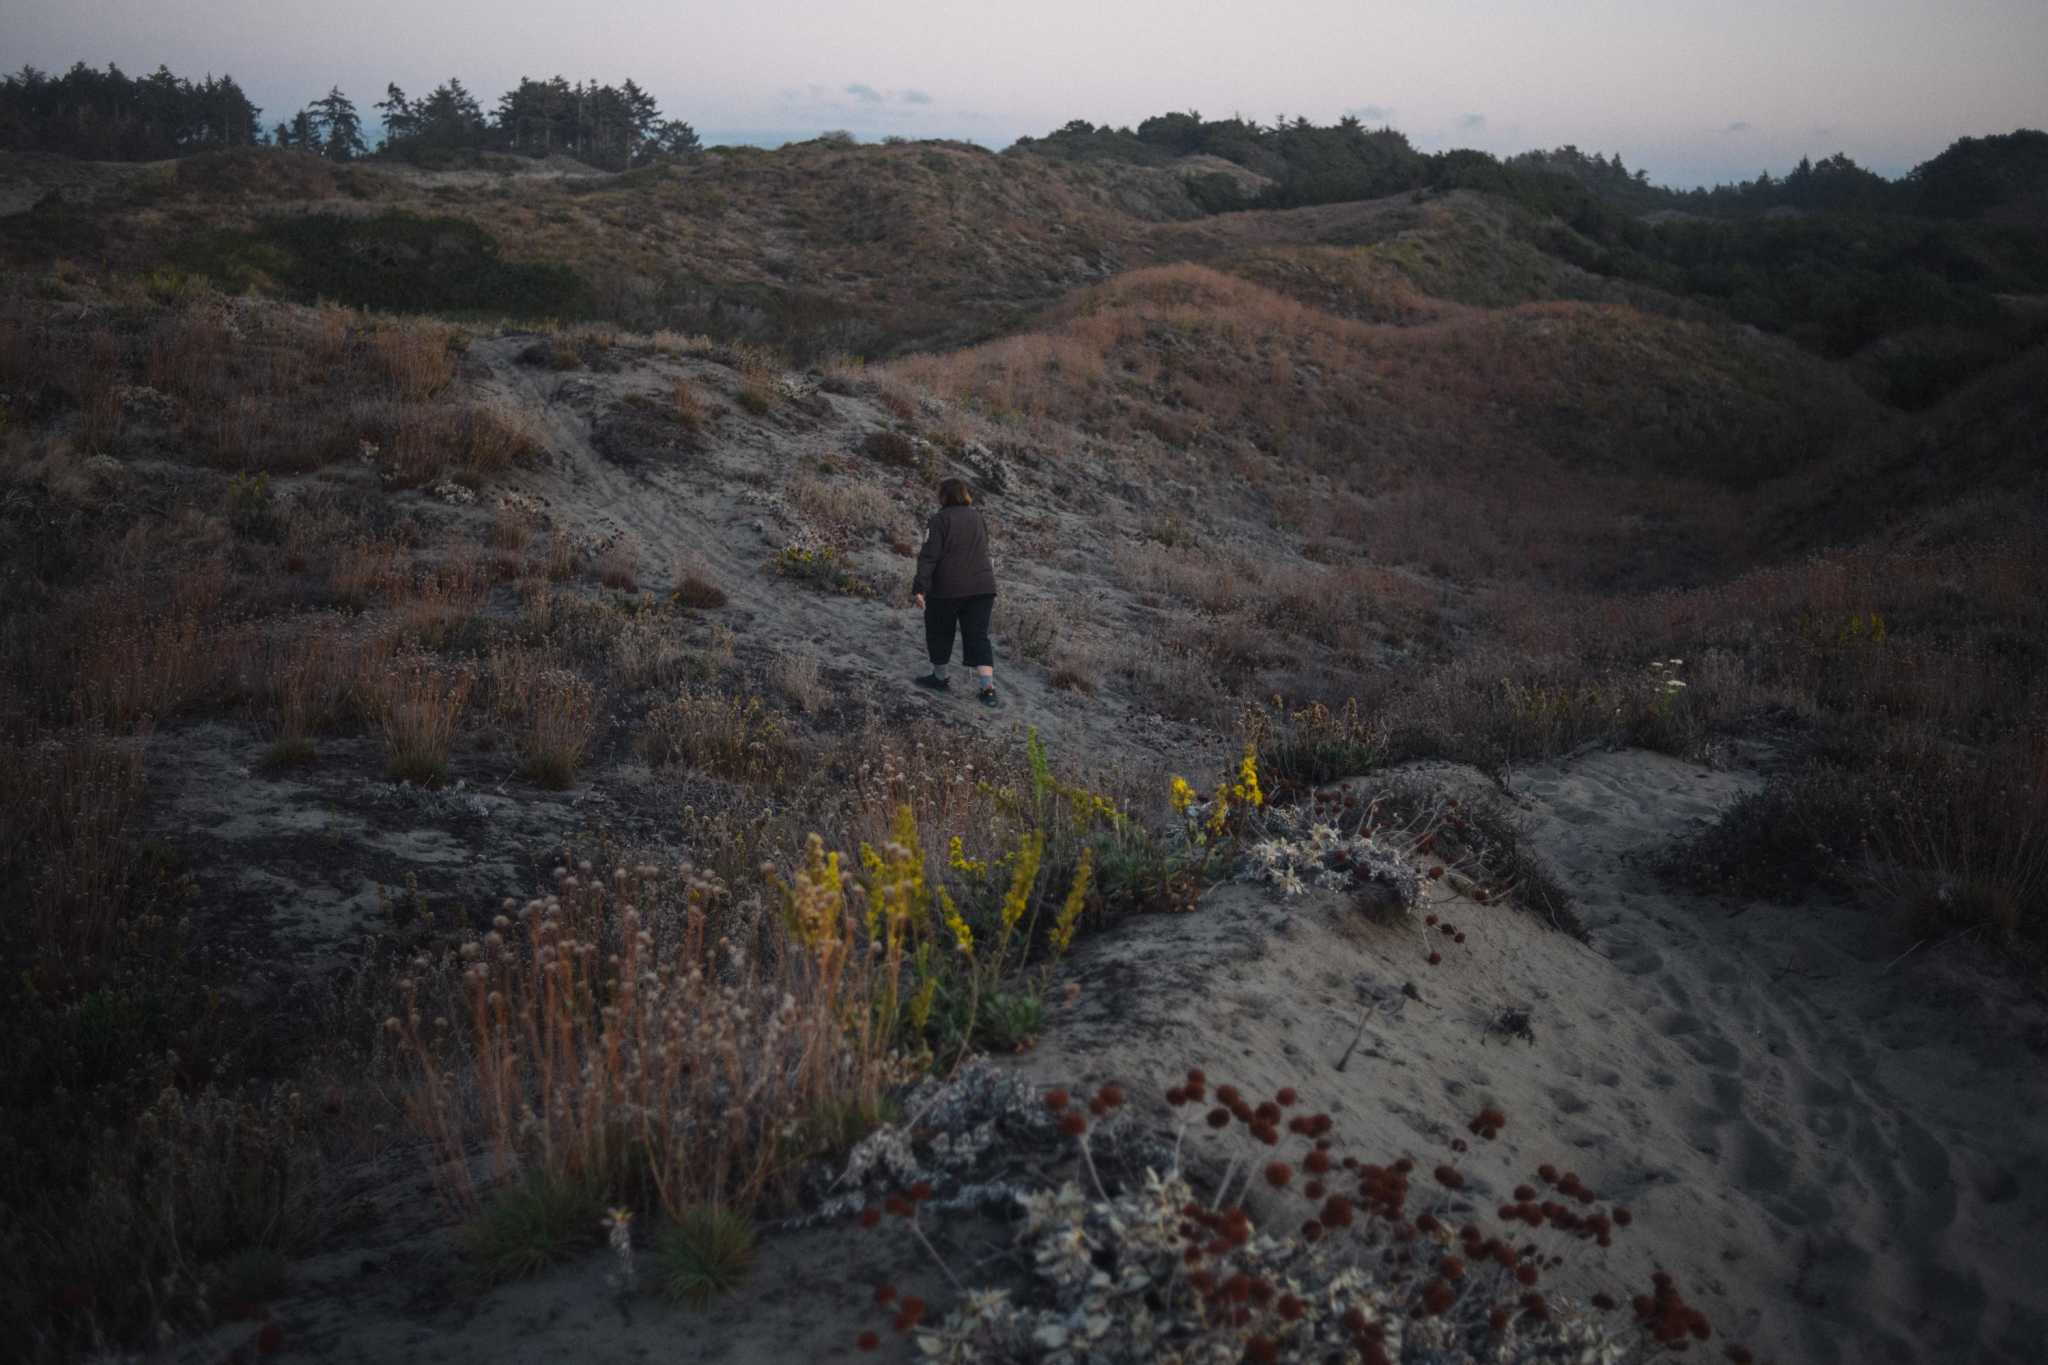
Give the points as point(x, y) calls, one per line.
point(563, 557)
point(147, 651)
point(736, 738)
point(443, 599)
point(416, 705)
point(842, 510)
point(649, 652)
point(68, 805)
point(619, 567)
point(561, 717)
point(689, 408)
point(308, 679)
point(417, 361)
point(796, 675)
point(367, 572)
point(612, 998)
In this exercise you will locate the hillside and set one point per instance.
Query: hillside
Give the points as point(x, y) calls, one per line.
point(1436, 678)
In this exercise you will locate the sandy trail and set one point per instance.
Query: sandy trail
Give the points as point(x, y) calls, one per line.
point(1827, 1160)
point(723, 506)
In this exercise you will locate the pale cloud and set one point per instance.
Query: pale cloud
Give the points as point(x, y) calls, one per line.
point(866, 93)
point(1739, 126)
point(916, 97)
point(1372, 113)
point(1471, 123)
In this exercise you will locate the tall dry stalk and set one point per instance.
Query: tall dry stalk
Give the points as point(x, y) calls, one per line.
point(561, 717)
point(416, 705)
point(606, 1035)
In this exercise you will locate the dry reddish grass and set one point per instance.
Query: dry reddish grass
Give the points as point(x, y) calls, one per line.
point(619, 567)
point(417, 361)
point(416, 704)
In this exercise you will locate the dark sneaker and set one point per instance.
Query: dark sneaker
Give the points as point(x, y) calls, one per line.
point(989, 698)
point(933, 681)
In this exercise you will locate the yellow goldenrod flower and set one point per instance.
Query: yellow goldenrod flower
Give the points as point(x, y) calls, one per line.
point(963, 933)
point(1077, 898)
point(957, 859)
point(1247, 788)
point(1221, 810)
point(1181, 795)
point(1023, 874)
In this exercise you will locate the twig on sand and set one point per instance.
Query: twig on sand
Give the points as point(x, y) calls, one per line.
point(1901, 958)
point(1363, 1015)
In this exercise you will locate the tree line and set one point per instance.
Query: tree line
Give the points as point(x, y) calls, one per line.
point(1307, 163)
point(110, 116)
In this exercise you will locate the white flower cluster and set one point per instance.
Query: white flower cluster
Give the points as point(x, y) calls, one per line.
point(1116, 1289)
point(1301, 853)
point(964, 1127)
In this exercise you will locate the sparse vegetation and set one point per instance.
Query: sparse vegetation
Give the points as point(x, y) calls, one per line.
point(1466, 477)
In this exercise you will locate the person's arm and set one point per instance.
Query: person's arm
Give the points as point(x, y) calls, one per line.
point(928, 558)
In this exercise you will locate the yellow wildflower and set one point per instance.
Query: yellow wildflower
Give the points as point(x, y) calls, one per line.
point(963, 933)
point(957, 859)
point(1077, 898)
point(1247, 788)
point(1023, 874)
point(1181, 795)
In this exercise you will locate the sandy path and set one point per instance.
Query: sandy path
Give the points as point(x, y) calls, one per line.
point(1827, 1161)
point(723, 506)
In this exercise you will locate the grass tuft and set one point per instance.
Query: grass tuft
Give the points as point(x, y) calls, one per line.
point(707, 1252)
point(538, 1221)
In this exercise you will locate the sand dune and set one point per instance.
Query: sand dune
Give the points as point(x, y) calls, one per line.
point(1828, 1162)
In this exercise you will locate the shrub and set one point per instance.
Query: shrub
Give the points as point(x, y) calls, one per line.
point(1032, 629)
point(707, 1252)
point(649, 653)
point(618, 567)
point(798, 677)
point(1305, 1252)
point(735, 738)
point(1069, 677)
point(891, 448)
point(698, 593)
point(822, 569)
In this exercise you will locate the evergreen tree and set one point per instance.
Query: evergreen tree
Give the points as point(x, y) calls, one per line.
point(340, 130)
point(401, 121)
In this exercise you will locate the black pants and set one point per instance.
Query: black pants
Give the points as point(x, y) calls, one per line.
point(971, 615)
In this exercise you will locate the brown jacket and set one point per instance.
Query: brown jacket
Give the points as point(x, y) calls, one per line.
point(954, 561)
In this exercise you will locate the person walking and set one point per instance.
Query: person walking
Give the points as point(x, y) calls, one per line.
point(955, 588)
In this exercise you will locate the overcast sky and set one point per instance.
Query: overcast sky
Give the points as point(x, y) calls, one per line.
point(1694, 90)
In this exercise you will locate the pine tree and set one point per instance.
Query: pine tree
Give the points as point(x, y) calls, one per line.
point(341, 131)
point(401, 121)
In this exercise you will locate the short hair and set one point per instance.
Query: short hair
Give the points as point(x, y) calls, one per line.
point(955, 493)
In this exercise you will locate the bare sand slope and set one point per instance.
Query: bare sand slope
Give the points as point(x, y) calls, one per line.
point(1834, 1166)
